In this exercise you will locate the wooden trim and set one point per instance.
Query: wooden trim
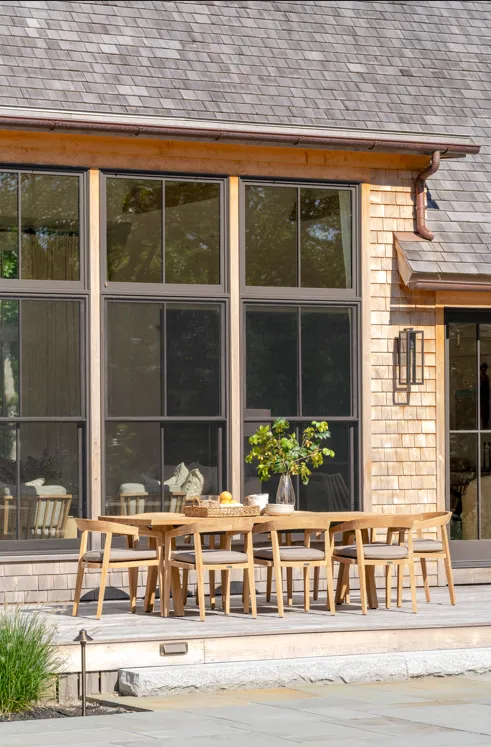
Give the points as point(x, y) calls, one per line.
point(440, 409)
point(112, 152)
point(366, 385)
point(95, 353)
point(235, 399)
point(474, 299)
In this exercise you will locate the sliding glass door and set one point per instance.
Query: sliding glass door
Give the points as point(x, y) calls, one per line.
point(468, 343)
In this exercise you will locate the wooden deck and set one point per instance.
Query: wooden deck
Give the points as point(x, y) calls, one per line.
point(122, 639)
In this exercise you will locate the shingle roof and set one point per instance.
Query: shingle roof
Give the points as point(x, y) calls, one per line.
point(419, 67)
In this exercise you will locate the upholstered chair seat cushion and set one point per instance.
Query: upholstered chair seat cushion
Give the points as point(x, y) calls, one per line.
point(290, 552)
point(211, 557)
point(373, 551)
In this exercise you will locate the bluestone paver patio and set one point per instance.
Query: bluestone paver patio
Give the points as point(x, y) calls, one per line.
point(432, 712)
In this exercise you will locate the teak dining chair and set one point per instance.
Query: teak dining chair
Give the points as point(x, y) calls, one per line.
point(201, 560)
point(367, 553)
point(291, 556)
point(109, 557)
point(428, 548)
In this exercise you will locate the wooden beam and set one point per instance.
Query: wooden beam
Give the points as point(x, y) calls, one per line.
point(105, 151)
point(366, 378)
point(95, 383)
point(235, 342)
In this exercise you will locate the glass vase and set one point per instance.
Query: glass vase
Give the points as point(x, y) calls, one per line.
point(285, 493)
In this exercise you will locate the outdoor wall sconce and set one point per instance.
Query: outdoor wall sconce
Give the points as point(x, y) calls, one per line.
point(411, 356)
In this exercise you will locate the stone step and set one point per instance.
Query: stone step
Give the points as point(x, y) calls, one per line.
point(250, 675)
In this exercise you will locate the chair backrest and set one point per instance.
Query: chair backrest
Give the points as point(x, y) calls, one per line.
point(132, 503)
point(314, 523)
point(382, 521)
point(432, 520)
point(227, 525)
point(47, 515)
point(106, 527)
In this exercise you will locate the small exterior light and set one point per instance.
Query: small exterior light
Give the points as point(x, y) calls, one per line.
point(411, 357)
point(83, 638)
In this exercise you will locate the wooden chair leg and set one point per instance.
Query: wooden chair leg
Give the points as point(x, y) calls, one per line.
point(424, 571)
point(289, 587)
point(150, 589)
point(330, 589)
point(252, 589)
point(212, 589)
point(133, 585)
point(185, 584)
point(226, 591)
point(102, 589)
point(412, 580)
point(388, 586)
point(269, 582)
point(201, 594)
point(165, 592)
point(371, 587)
point(448, 564)
point(78, 589)
point(343, 575)
point(346, 593)
point(317, 573)
point(400, 579)
point(176, 592)
point(245, 590)
point(306, 588)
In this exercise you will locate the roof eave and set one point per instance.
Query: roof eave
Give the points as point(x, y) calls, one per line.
point(240, 133)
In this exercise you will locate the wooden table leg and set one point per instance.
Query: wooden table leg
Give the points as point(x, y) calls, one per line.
point(176, 593)
point(371, 587)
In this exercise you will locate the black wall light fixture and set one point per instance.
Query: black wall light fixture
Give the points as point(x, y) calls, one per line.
point(411, 357)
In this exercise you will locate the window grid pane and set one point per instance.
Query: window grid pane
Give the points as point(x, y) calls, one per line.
point(163, 231)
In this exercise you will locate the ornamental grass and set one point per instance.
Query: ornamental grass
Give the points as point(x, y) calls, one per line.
point(29, 662)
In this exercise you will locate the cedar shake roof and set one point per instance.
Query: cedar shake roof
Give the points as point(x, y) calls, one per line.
point(403, 66)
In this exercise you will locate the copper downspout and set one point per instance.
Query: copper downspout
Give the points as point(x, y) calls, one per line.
point(421, 226)
point(238, 135)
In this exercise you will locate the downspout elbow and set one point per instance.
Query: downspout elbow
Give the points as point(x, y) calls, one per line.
point(421, 227)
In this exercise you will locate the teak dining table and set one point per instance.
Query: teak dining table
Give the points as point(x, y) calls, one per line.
point(163, 522)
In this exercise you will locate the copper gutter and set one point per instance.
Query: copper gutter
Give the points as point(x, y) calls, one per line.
point(215, 134)
point(421, 226)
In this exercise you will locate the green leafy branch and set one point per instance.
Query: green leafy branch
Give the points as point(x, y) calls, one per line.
point(277, 451)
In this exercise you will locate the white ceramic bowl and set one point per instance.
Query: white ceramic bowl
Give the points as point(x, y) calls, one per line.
point(279, 509)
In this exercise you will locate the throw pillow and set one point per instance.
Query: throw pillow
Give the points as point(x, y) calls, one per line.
point(180, 475)
point(193, 485)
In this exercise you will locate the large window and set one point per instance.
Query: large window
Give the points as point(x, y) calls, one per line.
point(165, 422)
point(164, 231)
point(40, 226)
point(42, 418)
point(300, 318)
point(298, 236)
point(300, 365)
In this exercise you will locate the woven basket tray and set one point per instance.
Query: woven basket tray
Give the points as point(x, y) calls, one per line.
point(205, 512)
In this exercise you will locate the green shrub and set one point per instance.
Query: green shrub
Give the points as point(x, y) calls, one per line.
point(28, 659)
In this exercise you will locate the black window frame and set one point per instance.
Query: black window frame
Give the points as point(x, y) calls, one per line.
point(164, 289)
point(298, 292)
point(20, 285)
point(45, 546)
point(316, 298)
point(221, 421)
